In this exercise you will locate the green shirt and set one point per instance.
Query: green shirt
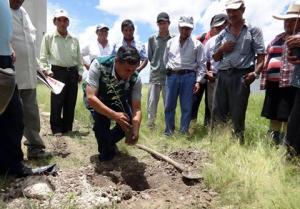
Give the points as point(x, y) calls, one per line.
point(60, 51)
point(156, 48)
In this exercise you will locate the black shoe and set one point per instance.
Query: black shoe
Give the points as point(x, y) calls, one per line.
point(20, 171)
point(37, 154)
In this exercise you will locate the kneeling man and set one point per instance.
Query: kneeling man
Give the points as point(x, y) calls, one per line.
point(114, 92)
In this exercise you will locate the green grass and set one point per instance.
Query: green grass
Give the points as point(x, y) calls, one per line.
point(255, 175)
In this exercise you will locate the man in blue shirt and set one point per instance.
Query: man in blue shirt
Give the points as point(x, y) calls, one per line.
point(235, 49)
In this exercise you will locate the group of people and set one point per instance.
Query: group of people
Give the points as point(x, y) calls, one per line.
point(222, 63)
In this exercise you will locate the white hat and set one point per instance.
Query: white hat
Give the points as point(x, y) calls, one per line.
point(101, 26)
point(61, 13)
point(186, 21)
point(233, 4)
point(292, 12)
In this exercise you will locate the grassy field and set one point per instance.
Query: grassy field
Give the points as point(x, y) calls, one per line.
point(255, 175)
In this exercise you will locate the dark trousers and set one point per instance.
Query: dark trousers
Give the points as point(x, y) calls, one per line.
point(293, 128)
point(231, 100)
point(196, 103)
point(11, 129)
point(107, 137)
point(63, 104)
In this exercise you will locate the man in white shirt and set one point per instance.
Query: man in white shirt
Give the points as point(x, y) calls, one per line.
point(184, 59)
point(100, 48)
point(26, 66)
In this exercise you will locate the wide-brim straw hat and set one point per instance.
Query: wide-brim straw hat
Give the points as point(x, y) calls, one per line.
point(292, 12)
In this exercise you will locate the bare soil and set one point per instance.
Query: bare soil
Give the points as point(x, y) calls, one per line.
point(128, 181)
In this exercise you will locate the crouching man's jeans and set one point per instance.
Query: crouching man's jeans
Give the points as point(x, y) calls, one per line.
point(182, 86)
point(107, 137)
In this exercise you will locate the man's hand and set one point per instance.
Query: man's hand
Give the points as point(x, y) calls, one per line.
point(227, 47)
point(249, 78)
point(13, 57)
point(293, 41)
point(123, 120)
point(293, 59)
point(196, 87)
point(210, 76)
point(79, 78)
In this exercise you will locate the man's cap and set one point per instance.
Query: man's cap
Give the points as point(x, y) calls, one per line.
point(129, 54)
point(163, 17)
point(292, 12)
point(218, 20)
point(102, 26)
point(61, 13)
point(186, 21)
point(233, 4)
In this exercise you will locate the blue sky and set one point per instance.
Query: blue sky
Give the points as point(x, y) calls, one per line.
point(85, 15)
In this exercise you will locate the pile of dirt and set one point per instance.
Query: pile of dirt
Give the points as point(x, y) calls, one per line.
point(124, 182)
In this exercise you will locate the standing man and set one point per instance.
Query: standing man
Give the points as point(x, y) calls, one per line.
point(62, 52)
point(114, 92)
point(26, 66)
point(127, 28)
point(100, 47)
point(236, 47)
point(156, 47)
point(11, 119)
point(184, 58)
point(218, 23)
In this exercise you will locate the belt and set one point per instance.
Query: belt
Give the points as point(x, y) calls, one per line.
point(178, 72)
point(251, 68)
point(56, 67)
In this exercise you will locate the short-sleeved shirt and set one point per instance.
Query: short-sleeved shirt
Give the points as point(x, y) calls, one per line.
point(6, 28)
point(140, 47)
point(248, 43)
point(156, 49)
point(189, 56)
point(94, 76)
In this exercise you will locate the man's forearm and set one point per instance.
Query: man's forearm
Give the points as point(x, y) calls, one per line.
point(142, 65)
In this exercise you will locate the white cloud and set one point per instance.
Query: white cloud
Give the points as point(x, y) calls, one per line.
point(258, 13)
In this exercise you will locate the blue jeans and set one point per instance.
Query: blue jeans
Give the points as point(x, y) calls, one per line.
point(182, 86)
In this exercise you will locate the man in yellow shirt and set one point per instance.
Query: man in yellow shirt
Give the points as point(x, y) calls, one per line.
point(62, 52)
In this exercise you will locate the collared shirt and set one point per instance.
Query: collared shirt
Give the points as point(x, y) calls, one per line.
point(209, 51)
point(189, 56)
point(95, 50)
point(94, 76)
point(248, 43)
point(6, 28)
point(23, 42)
point(140, 47)
point(276, 67)
point(156, 49)
point(60, 51)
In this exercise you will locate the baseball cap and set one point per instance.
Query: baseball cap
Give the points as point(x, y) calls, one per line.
point(61, 13)
point(102, 26)
point(186, 21)
point(218, 20)
point(163, 17)
point(233, 4)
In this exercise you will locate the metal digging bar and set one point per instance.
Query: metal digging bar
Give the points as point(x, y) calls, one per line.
point(187, 173)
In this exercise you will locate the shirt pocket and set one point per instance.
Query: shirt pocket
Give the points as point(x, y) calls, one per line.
point(246, 46)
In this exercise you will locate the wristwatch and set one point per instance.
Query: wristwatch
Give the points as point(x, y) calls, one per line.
point(256, 75)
